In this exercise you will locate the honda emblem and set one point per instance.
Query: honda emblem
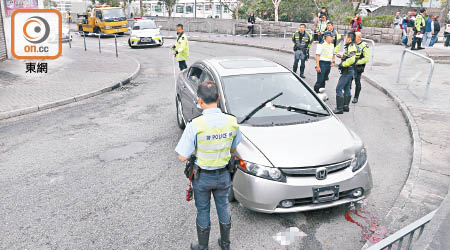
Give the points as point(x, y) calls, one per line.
point(321, 173)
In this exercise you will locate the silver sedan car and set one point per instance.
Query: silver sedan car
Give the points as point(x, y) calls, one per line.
point(296, 155)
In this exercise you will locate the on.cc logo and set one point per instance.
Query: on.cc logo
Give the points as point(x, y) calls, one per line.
point(36, 29)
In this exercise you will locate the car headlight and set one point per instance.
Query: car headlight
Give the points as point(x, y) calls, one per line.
point(124, 25)
point(269, 173)
point(107, 27)
point(359, 160)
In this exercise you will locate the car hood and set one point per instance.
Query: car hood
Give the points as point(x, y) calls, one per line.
point(311, 144)
point(145, 33)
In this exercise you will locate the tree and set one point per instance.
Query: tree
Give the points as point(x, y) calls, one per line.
point(276, 4)
point(169, 4)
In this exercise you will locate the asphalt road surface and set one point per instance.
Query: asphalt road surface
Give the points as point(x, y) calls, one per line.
point(102, 173)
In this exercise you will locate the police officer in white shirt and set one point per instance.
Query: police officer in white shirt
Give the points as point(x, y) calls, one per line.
point(324, 60)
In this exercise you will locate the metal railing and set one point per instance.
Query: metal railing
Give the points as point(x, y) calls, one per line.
point(188, 24)
point(372, 50)
point(424, 57)
point(246, 25)
point(396, 240)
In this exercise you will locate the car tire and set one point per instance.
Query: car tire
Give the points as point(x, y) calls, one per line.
point(97, 30)
point(129, 43)
point(162, 42)
point(180, 120)
point(80, 31)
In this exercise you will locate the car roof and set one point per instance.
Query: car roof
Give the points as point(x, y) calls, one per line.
point(228, 66)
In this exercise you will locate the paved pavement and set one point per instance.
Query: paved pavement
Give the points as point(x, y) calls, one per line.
point(77, 74)
point(102, 174)
point(429, 118)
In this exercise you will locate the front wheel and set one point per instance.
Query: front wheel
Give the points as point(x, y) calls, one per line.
point(162, 42)
point(180, 120)
point(129, 43)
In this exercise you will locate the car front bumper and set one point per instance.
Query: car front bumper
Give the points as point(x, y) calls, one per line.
point(137, 41)
point(264, 195)
point(114, 31)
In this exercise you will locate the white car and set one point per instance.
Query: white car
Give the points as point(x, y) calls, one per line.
point(145, 33)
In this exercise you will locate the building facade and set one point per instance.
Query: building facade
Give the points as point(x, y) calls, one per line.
point(185, 8)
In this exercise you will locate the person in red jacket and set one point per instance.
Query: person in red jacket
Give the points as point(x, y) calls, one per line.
point(355, 23)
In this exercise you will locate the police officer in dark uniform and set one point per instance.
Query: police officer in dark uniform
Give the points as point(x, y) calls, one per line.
point(302, 41)
point(212, 137)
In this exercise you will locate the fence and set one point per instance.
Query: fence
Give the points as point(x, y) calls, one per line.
point(98, 35)
point(188, 25)
point(396, 240)
point(422, 56)
point(246, 25)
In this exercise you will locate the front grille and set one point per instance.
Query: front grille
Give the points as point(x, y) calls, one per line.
point(146, 40)
point(311, 171)
point(117, 27)
point(309, 200)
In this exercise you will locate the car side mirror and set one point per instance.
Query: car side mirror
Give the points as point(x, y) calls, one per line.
point(322, 90)
point(160, 26)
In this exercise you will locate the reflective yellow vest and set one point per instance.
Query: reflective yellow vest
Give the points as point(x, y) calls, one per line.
point(327, 51)
point(182, 47)
point(349, 57)
point(214, 143)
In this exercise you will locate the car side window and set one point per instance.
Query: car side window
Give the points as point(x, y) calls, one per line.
point(194, 75)
point(206, 77)
point(98, 14)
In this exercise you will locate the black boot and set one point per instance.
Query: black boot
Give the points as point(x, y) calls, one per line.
point(340, 105)
point(302, 75)
point(347, 102)
point(413, 44)
point(224, 240)
point(355, 100)
point(203, 239)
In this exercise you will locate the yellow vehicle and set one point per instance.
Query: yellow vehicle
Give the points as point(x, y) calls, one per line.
point(104, 19)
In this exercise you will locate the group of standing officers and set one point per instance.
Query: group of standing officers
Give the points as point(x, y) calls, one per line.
point(355, 56)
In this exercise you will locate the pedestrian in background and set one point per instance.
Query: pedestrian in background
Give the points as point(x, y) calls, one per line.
point(302, 41)
point(447, 32)
point(321, 27)
point(181, 48)
point(436, 27)
point(428, 31)
point(347, 65)
point(397, 21)
point(355, 23)
point(419, 29)
point(325, 55)
point(411, 22)
point(323, 12)
point(251, 24)
point(213, 152)
point(405, 30)
point(362, 58)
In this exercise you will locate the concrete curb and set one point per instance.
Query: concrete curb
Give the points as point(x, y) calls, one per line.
point(405, 193)
point(40, 107)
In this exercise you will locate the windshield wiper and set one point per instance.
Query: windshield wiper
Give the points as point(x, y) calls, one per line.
point(260, 106)
point(300, 110)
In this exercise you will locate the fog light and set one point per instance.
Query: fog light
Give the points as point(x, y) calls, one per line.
point(357, 192)
point(287, 203)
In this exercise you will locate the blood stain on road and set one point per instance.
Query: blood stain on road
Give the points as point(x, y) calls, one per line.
point(367, 220)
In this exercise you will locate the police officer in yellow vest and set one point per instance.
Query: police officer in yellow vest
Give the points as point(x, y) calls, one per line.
point(212, 137)
point(362, 58)
point(302, 41)
point(347, 65)
point(419, 30)
point(325, 53)
point(181, 48)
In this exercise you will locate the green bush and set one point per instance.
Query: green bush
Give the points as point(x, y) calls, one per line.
point(374, 21)
point(284, 17)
